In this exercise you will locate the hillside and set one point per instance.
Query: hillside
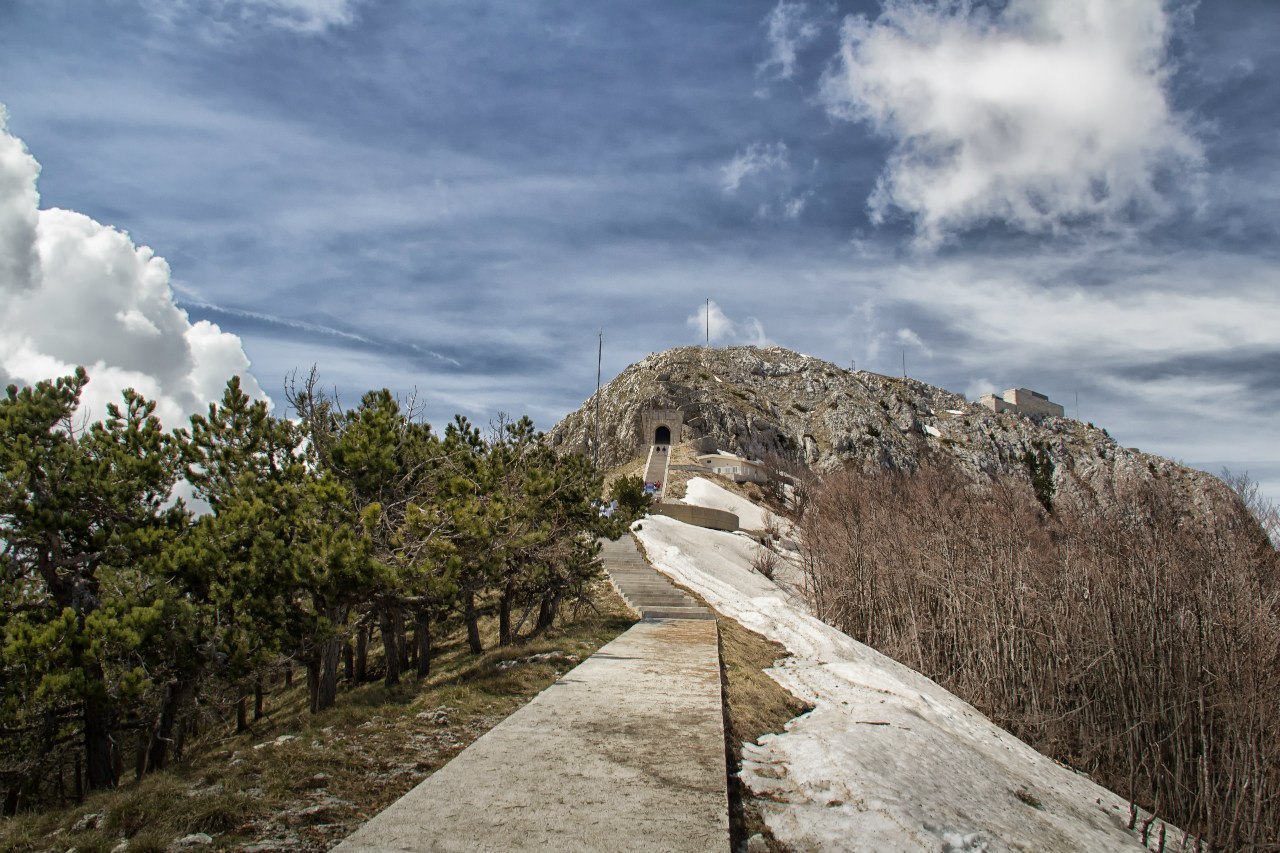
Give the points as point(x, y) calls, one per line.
point(771, 401)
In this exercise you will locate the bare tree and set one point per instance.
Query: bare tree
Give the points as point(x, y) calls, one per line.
point(1134, 637)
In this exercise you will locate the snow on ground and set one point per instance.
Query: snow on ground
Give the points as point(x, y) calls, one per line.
point(887, 760)
point(702, 492)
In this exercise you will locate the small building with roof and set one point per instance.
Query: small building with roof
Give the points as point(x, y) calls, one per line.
point(734, 467)
point(1022, 401)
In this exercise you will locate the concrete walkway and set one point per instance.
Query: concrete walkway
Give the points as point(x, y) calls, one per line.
point(624, 753)
point(642, 587)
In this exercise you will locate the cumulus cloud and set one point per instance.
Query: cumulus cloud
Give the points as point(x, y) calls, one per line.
point(76, 292)
point(1042, 114)
point(789, 28)
point(756, 159)
point(711, 319)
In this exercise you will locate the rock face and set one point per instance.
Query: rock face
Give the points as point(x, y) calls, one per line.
point(759, 402)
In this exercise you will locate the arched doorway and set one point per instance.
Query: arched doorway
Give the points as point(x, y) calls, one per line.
point(662, 435)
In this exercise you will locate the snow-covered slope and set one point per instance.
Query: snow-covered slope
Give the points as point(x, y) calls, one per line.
point(703, 492)
point(887, 760)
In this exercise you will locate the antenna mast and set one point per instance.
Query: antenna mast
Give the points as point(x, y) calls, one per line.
point(599, 359)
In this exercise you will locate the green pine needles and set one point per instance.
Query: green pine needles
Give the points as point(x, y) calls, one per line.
point(126, 610)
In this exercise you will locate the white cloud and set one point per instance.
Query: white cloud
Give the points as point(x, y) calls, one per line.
point(789, 28)
point(1045, 114)
point(907, 337)
point(76, 292)
point(302, 16)
point(979, 387)
point(709, 318)
point(794, 206)
point(18, 201)
point(757, 158)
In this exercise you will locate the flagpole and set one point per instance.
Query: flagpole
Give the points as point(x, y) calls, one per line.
point(599, 359)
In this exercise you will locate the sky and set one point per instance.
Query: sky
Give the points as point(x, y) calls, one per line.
point(452, 197)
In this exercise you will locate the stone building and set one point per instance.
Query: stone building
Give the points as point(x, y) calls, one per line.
point(661, 426)
point(1022, 401)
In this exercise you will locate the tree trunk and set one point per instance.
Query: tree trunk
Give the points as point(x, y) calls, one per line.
point(99, 766)
point(176, 694)
point(242, 713)
point(473, 623)
point(349, 661)
point(362, 652)
point(548, 609)
point(544, 613)
point(12, 799)
point(258, 694)
point(422, 639)
point(387, 627)
point(504, 616)
point(327, 693)
point(313, 684)
point(402, 639)
point(288, 673)
point(139, 758)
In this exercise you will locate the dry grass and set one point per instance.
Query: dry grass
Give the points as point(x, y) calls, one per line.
point(299, 781)
point(754, 705)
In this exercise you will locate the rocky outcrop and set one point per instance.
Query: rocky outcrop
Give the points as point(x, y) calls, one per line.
point(759, 402)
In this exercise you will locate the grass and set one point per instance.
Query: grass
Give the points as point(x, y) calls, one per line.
point(754, 705)
point(299, 781)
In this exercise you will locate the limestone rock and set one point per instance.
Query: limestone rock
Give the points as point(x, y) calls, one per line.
point(761, 402)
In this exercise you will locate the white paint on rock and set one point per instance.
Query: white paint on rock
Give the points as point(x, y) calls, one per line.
point(887, 760)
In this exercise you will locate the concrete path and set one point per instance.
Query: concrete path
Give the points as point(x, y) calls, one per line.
point(624, 753)
point(642, 587)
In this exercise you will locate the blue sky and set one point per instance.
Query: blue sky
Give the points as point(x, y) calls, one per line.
point(1078, 196)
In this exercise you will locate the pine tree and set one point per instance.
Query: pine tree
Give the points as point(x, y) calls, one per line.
point(83, 512)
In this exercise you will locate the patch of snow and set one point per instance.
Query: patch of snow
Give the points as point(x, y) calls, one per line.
point(702, 492)
point(887, 760)
point(955, 411)
point(933, 431)
point(717, 378)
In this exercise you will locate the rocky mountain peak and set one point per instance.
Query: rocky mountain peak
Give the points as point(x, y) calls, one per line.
point(770, 401)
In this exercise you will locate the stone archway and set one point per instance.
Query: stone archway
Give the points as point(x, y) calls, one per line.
point(660, 426)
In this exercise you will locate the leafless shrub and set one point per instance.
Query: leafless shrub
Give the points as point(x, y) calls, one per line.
point(765, 561)
point(1266, 510)
point(790, 484)
point(1138, 641)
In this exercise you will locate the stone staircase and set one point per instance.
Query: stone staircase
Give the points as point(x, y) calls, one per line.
point(656, 467)
point(642, 587)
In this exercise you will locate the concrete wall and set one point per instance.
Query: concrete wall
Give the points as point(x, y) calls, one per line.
point(1022, 401)
point(996, 404)
point(715, 519)
point(1028, 402)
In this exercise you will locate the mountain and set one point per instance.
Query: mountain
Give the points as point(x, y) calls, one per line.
point(772, 402)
